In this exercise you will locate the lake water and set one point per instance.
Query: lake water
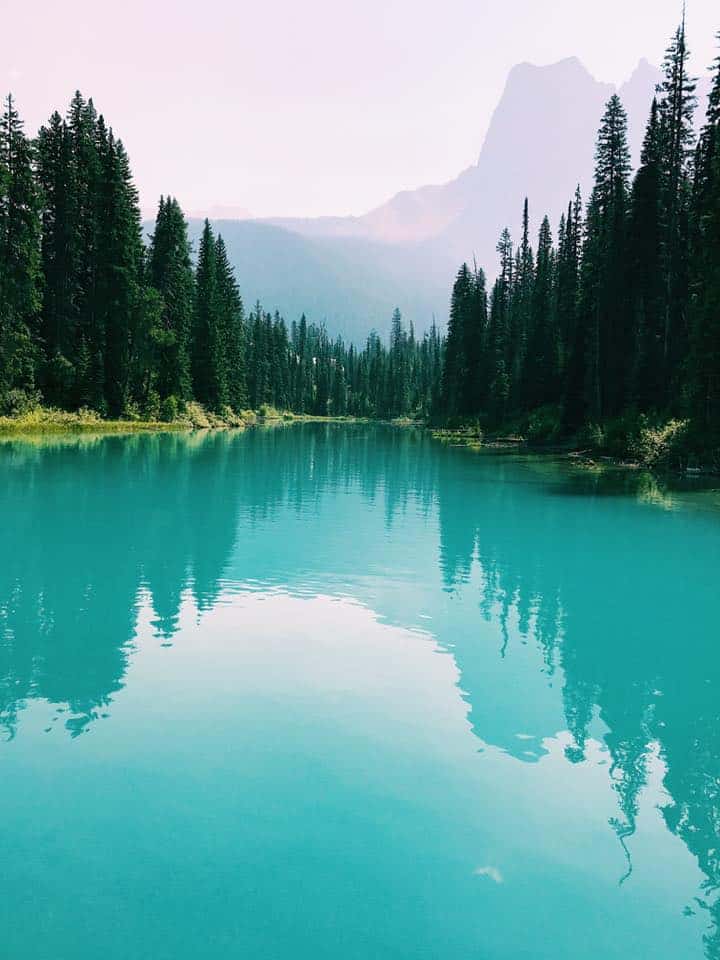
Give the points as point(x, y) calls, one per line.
point(332, 692)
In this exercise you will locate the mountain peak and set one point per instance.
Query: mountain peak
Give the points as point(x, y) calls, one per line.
point(644, 66)
point(644, 73)
point(566, 69)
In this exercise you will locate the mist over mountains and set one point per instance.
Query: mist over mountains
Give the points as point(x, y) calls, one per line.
point(350, 272)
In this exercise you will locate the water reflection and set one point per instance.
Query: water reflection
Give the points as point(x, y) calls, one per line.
point(600, 597)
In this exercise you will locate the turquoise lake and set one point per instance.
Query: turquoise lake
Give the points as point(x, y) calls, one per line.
point(342, 692)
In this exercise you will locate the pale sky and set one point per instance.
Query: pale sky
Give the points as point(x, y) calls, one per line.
point(282, 107)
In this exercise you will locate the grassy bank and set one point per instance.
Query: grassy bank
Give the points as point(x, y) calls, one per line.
point(45, 421)
point(40, 421)
point(633, 440)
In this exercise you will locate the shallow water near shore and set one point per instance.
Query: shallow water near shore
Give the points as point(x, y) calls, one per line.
point(341, 690)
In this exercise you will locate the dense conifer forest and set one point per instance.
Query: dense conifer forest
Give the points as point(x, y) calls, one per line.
point(615, 320)
point(91, 317)
point(616, 323)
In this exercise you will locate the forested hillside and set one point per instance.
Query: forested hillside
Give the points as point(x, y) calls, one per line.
point(616, 317)
point(91, 317)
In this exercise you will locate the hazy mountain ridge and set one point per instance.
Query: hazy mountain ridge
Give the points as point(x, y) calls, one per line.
point(350, 272)
point(349, 283)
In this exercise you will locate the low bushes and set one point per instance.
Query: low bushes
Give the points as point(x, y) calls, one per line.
point(636, 437)
point(43, 420)
point(544, 425)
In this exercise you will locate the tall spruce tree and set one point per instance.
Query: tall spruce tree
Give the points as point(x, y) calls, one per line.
point(676, 109)
point(597, 382)
point(259, 365)
point(521, 305)
point(399, 369)
point(169, 271)
point(474, 336)
point(119, 302)
point(280, 363)
point(568, 276)
point(455, 367)
point(20, 266)
point(231, 319)
point(338, 396)
point(87, 332)
point(542, 369)
point(208, 345)
point(59, 314)
point(705, 300)
point(645, 261)
point(495, 373)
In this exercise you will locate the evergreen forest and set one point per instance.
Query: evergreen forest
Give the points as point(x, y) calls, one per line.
point(612, 318)
point(612, 326)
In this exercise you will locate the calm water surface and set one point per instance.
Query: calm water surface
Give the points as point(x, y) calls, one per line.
point(345, 692)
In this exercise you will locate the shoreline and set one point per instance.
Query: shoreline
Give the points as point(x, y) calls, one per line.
point(572, 452)
point(46, 422)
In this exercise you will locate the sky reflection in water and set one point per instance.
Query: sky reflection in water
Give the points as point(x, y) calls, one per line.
point(333, 691)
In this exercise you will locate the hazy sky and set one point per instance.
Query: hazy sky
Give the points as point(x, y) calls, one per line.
point(312, 107)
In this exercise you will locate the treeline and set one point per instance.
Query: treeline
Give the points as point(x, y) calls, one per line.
point(92, 317)
point(302, 369)
point(622, 312)
point(617, 317)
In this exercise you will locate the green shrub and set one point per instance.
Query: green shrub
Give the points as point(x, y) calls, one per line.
point(132, 411)
point(61, 374)
point(661, 445)
point(228, 418)
point(544, 424)
point(634, 436)
point(268, 412)
point(151, 406)
point(620, 435)
point(18, 403)
point(196, 415)
point(169, 409)
point(591, 435)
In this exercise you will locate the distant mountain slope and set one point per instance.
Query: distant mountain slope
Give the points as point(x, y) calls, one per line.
point(352, 271)
point(351, 284)
point(540, 144)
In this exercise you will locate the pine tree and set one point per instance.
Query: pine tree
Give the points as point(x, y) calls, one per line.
point(521, 305)
point(646, 270)
point(455, 368)
point(568, 276)
point(20, 267)
point(280, 364)
point(302, 393)
point(496, 381)
point(231, 320)
point(259, 358)
point(339, 398)
point(207, 356)
point(474, 334)
point(676, 108)
point(705, 301)
point(321, 367)
point(542, 367)
point(170, 273)
point(398, 403)
point(598, 379)
point(84, 212)
point(59, 315)
point(119, 302)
